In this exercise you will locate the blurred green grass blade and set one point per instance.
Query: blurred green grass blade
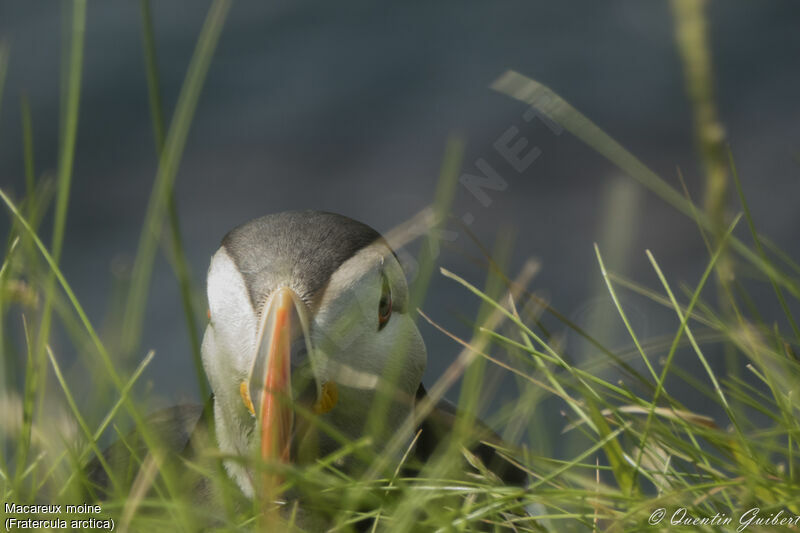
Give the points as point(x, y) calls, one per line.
point(105, 359)
point(685, 314)
point(577, 460)
point(31, 468)
point(91, 441)
point(151, 69)
point(653, 296)
point(12, 247)
point(7, 374)
point(71, 103)
point(181, 264)
point(587, 375)
point(524, 328)
point(4, 53)
point(544, 99)
point(692, 40)
point(167, 171)
point(591, 415)
point(64, 285)
point(726, 297)
point(443, 200)
point(508, 314)
point(694, 49)
point(496, 361)
point(780, 254)
point(123, 395)
point(27, 147)
point(428, 255)
point(720, 394)
point(533, 93)
point(684, 318)
point(622, 314)
point(106, 420)
point(751, 225)
point(469, 399)
point(28, 400)
point(555, 313)
point(33, 367)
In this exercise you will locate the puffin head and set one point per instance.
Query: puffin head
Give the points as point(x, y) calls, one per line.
point(309, 318)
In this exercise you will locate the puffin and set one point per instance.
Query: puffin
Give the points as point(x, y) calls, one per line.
point(311, 343)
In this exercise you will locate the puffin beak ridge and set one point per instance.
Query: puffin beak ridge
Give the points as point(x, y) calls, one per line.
point(282, 328)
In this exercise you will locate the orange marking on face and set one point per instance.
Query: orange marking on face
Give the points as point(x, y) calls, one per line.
point(327, 399)
point(244, 391)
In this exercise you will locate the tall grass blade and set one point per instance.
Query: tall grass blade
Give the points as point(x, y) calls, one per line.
point(112, 413)
point(4, 53)
point(27, 144)
point(181, 264)
point(87, 433)
point(622, 314)
point(167, 171)
point(71, 101)
point(691, 36)
point(757, 241)
point(443, 199)
point(105, 358)
point(559, 110)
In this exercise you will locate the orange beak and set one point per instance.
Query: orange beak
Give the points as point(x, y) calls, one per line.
point(271, 384)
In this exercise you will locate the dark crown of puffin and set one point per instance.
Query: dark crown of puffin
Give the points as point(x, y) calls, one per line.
point(305, 246)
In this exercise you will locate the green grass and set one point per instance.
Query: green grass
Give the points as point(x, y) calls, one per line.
point(632, 444)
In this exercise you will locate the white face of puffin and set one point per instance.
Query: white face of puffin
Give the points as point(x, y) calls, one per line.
point(359, 336)
point(362, 330)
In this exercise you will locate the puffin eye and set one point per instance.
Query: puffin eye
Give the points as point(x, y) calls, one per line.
point(385, 305)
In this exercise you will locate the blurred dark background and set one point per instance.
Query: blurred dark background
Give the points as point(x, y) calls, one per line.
point(348, 108)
